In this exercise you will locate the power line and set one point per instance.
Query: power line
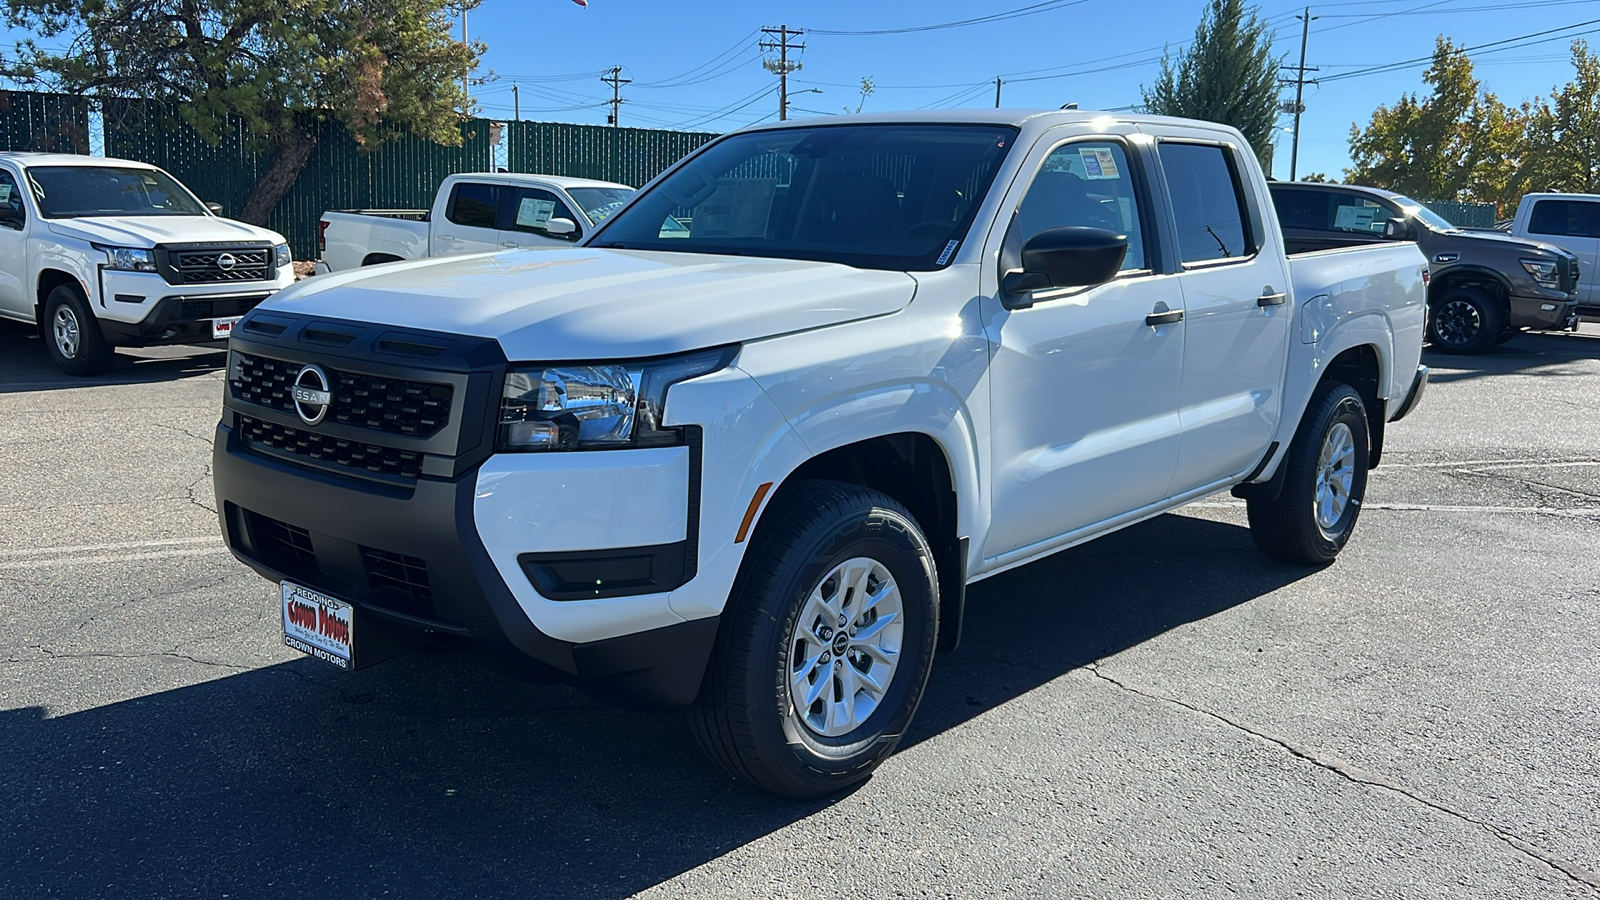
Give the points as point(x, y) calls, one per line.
point(1407, 63)
point(742, 44)
point(1017, 13)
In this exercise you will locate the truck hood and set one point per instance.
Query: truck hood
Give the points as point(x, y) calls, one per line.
point(148, 231)
point(580, 303)
point(1511, 241)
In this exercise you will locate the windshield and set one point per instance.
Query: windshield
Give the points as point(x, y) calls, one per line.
point(874, 196)
point(67, 192)
point(1433, 219)
point(599, 203)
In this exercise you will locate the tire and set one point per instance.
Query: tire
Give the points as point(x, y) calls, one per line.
point(777, 649)
point(1306, 523)
point(72, 334)
point(1466, 320)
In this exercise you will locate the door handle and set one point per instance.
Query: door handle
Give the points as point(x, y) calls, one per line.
point(1169, 317)
point(1274, 299)
point(508, 243)
point(447, 237)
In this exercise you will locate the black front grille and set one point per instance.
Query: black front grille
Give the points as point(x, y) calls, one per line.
point(396, 571)
point(224, 308)
point(220, 265)
point(285, 547)
point(392, 405)
point(322, 448)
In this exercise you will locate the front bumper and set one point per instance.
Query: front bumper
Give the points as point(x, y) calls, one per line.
point(1544, 313)
point(141, 308)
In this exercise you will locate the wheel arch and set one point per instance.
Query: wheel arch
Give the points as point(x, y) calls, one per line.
point(49, 280)
point(1469, 276)
point(1360, 368)
point(915, 469)
point(373, 259)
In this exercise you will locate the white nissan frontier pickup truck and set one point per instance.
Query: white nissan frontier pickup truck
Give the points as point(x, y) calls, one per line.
point(745, 447)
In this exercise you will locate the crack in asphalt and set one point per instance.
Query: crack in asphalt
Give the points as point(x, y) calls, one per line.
point(203, 438)
point(193, 584)
point(51, 655)
point(1354, 775)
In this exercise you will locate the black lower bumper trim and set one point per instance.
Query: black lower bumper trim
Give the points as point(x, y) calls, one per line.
point(1419, 384)
point(333, 525)
point(180, 320)
point(1530, 312)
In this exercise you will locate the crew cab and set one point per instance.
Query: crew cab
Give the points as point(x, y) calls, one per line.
point(471, 213)
point(1573, 222)
point(1485, 287)
point(745, 448)
point(101, 253)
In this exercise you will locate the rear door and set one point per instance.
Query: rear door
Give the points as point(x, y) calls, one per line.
point(1575, 225)
point(13, 247)
point(528, 215)
point(1236, 319)
point(471, 219)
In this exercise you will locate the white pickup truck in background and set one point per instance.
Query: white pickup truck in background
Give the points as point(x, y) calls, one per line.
point(101, 253)
point(471, 213)
point(745, 447)
point(1572, 222)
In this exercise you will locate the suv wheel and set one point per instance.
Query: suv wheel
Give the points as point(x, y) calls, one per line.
point(1324, 482)
point(1466, 320)
point(826, 645)
point(72, 335)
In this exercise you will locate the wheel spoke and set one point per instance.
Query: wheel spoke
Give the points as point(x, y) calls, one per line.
point(866, 634)
point(852, 672)
point(813, 691)
point(871, 685)
point(881, 654)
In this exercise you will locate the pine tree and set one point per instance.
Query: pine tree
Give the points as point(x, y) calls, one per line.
point(1227, 75)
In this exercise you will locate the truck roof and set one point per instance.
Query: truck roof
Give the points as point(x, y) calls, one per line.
point(29, 158)
point(1325, 186)
point(561, 181)
point(1021, 118)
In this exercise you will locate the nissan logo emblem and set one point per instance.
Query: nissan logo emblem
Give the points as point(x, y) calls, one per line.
point(311, 397)
point(226, 261)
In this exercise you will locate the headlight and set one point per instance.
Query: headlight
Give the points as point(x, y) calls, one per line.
point(596, 406)
point(282, 256)
point(129, 259)
point(1543, 271)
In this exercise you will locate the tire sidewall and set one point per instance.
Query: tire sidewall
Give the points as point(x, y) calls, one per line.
point(1346, 409)
point(92, 352)
point(1490, 322)
point(894, 541)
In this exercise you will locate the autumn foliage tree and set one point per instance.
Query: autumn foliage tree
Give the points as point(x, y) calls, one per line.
point(281, 68)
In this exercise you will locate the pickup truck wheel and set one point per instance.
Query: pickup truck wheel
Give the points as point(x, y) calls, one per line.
point(826, 644)
point(1325, 479)
point(1466, 320)
point(71, 335)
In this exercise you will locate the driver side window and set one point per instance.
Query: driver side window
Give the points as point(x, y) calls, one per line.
point(10, 201)
point(1087, 184)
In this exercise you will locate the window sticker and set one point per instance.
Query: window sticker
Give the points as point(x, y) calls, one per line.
point(5, 193)
point(1099, 162)
point(1355, 218)
point(534, 213)
point(948, 249)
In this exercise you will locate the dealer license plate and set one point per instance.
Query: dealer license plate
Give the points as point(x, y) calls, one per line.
point(318, 625)
point(221, 328)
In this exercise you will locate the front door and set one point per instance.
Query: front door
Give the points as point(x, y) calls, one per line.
point(532, 210)
point(1236, 315)
point(471, 219)
point(1575, 226)
point(1083, 387)
point(13, 248)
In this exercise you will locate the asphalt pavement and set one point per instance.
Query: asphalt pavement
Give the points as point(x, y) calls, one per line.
point(1162, 713)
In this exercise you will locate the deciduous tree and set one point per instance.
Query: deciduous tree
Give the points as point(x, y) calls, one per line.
point(1563, 132)
point(280, 67)
point(1228, 74)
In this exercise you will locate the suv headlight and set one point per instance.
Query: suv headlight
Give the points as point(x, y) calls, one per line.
point(129, 259)
point(596, 406)
point(281, 256)
point(1543, 271)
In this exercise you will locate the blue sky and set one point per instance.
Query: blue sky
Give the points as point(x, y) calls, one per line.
point(696, 65)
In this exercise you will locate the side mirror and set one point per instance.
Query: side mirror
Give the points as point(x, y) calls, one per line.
point(1398, 230)
point(1067, 256)
point(560, 227)
point(215, 207)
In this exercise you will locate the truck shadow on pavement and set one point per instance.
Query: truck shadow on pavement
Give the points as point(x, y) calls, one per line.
point(429, 776)
point(1530, 353)
point(24, 365)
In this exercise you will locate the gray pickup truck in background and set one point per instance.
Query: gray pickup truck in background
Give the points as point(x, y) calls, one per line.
point(1484, 286)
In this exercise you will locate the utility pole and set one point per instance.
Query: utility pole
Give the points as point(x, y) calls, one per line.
point(516, 103)
point(997, 84)
point(615, 79)
point(1299, 81)
point(466, 80)
point(782, 67)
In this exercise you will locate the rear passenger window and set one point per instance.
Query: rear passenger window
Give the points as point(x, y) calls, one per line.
point(1565, 218)
point(474, 204)
point(1085, 184)
point(1207, 202)
point(10, 200)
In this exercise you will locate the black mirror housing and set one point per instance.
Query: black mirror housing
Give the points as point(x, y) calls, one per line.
point(1063, 257)
point(1398, 230)
point(215, 207)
